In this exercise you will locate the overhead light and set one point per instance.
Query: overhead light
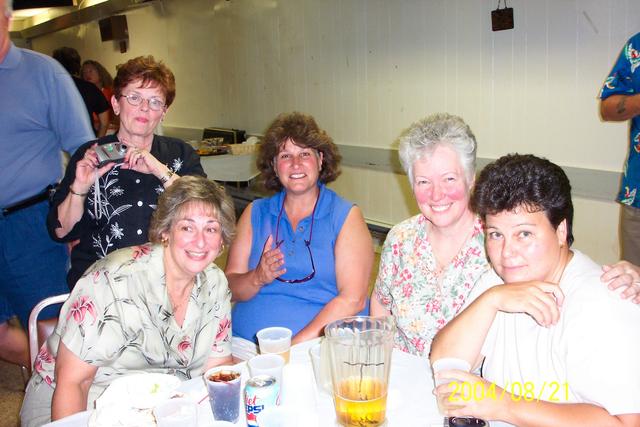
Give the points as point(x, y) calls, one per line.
point(31, 4)
point(28, 13)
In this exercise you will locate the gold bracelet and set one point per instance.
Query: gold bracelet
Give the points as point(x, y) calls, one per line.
point(165, 178)
point(77, 194)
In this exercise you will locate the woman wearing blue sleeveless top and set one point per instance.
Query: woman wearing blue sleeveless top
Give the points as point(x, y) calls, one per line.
point(302, 258)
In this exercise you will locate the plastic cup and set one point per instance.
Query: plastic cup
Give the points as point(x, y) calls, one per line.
point(178, 412)
point(224, 394)
point(321, 368)
point(267, 364)
point(447, 364)
point(275, 340)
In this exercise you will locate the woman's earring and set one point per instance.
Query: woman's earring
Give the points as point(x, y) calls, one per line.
point(165, 242)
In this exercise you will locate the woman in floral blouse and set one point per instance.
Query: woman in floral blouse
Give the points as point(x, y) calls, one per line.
point(110, 207)
point(161, 307)
point(430, 262)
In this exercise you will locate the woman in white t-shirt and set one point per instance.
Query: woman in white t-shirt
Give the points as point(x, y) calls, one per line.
point(555, 347)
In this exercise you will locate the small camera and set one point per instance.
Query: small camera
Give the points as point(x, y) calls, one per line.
point(112, 152)
point(466, 422)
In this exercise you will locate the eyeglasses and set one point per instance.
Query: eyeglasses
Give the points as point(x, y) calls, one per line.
point(307, 243)
point(156, 104)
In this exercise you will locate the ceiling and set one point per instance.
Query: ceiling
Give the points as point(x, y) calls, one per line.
point(30, 23)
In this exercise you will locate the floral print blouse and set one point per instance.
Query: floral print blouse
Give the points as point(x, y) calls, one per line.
point(408, 285)
point(120, 319)
point(624, 79)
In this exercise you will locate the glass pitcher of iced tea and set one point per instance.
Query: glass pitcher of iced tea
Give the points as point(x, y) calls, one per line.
point(360, 358)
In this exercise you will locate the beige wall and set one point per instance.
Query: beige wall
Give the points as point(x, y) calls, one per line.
point(367, 68)
point(386, 199)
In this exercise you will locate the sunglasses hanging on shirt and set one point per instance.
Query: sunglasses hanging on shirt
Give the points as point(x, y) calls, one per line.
point(307, 243)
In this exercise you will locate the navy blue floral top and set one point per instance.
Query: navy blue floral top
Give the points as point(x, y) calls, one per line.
point(625, 80)
point(127, 201)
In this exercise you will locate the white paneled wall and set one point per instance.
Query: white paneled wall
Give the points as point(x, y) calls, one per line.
point(366, 69)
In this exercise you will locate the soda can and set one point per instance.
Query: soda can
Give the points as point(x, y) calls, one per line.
point(261, 392)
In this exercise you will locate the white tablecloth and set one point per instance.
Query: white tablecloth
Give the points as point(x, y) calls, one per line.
point(410, 401)
point(228, 167)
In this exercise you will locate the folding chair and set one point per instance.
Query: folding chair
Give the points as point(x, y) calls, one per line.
point(39, 331)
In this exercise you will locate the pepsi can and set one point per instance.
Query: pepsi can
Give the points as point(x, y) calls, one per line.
point(261, 392)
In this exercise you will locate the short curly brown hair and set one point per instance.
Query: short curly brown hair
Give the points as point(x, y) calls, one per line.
point(524, 180)
point(193, 189)
point(303, 130)
point(150, 72)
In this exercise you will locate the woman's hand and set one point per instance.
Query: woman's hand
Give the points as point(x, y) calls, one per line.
point(540, 300)
point(87, 169)
point(470, 395)
point(143, 161)
point(270, 265)
point(212, 362)
point(621, 274)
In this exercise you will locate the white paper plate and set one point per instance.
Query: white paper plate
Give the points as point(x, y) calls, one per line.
point(121, 416)
point(139, 391)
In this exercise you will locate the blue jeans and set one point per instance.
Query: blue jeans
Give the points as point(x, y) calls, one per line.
point(32, 266)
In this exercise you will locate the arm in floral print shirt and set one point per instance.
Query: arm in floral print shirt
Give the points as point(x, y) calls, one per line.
point(74, 378)
point(91, 324)
point(618, 108)
point(221, 347)
point(82, 329)
point(381, 301)
point(620, 97)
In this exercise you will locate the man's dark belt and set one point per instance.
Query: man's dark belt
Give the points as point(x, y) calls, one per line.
point(28, 202)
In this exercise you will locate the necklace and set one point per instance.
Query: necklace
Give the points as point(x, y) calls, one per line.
point(441, 267)
point(176, 307)
point(183, 299)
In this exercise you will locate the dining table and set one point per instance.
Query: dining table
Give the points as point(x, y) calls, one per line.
point(410, 398)
point(230, 167)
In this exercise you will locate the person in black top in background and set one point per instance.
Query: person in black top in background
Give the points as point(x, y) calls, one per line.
point(93, 98)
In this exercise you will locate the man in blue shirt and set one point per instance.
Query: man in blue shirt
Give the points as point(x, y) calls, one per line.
point(620, 102)
point(41, 113)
